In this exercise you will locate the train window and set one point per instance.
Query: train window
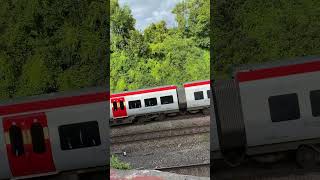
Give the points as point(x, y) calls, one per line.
point(208, 94)
point(198, 95)
point(284, 107)
point(121, 105)
point(115, 106)
point(315, 102)
point(150, 102)
point(134, 104)
point(16, 140)
point(166, 99)
point(37, 136)
point(81, 135)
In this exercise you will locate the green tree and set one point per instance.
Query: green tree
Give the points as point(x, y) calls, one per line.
point(47, 45)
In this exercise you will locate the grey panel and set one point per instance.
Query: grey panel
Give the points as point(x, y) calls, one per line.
point(84, 157)
point(214, 140)
point(229, 118)
point(260, 130)
point(182, 99)
point(4, 166)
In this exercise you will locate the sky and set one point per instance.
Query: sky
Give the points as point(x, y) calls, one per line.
point(151, 11)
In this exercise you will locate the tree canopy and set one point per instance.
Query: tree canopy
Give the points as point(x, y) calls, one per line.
point(48, 46)
point(254, 31)
point(160, 55)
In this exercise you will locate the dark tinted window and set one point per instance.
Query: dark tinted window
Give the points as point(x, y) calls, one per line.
point(121, 105)
point(134, 104)
point(79, 135)
point(150, 102)
point(166, 99)
point(284, 107)
point(38, 141)
point(115, 106)
point(198, 95)
point(16, 140)
point(315, 102)
point(209, 94)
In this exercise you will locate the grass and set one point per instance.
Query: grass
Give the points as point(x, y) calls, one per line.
point(117, 164)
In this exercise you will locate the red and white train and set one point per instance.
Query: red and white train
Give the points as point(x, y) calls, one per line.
point(263, 109)
point(156, 103)
point(273, 107)
point(49, 134)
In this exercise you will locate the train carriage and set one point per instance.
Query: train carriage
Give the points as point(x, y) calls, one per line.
point(198, 95)
point(129, 106)
point(275, 107)
point(48, 134)
point(156, 103)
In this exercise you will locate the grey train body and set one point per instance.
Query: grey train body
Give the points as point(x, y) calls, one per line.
point(72, 116)
point(266, 109)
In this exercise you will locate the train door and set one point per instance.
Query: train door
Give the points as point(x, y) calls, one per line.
point(28, 145)
point(118, 107)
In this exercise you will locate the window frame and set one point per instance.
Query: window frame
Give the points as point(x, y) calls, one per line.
point(115, 105)
point(122, 106)
point(195, 96)
point(17, 144)
point(315, 108)
point(275, 107)
point(134, 101)
point(149, 100)
point(83, 127)
point(162, 98)
point(41, 145)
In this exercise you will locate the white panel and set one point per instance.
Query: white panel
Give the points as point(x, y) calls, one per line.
point(259, 127)
point(191, 102)
point(84, 157)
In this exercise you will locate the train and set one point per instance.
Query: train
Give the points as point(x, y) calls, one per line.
point(261, 112)
point(268, 111)
point(50, 134)
point(159, 102)
point(68, 131)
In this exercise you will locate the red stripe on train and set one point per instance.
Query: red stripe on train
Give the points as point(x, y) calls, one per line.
point(278, 71)
point(53, 103)
point(197, 83)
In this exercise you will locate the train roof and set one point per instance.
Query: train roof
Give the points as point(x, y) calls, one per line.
point(196, 83)
point(277, 68)
point(159, 88)
point(54, 100)
point(142, 91)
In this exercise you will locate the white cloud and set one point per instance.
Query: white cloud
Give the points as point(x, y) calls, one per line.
point(151, 11)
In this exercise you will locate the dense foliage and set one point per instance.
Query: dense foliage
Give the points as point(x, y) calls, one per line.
point(160, 55)
point(48, 46)
point(254, 31)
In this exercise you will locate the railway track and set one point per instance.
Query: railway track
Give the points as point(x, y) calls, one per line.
point(160, 130)
point(202, 169)
point(160, 134)
point(187, 115)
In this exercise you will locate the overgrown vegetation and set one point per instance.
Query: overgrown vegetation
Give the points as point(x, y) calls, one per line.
point(160, 55)
point(254, 31)
point(117, 164)
point(49, 46)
